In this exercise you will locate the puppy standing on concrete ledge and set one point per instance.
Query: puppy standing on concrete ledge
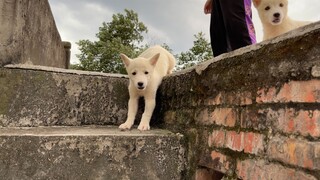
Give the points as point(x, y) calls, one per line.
point(145, 74)
point(274, 17)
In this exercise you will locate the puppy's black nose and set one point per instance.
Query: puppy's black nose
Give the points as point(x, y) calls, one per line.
point(276, 15)
point(140, 84)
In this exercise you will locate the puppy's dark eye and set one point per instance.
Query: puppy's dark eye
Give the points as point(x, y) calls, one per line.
point(146, 72)
point(134, 73)
point(281, 5)
point(267, 8)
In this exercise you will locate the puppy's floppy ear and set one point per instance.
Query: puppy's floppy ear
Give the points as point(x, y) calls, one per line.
point(125, 59)
point(256, 3)
point(154, 59)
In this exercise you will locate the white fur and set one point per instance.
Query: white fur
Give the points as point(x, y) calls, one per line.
point(145, 73)
point(274, 25)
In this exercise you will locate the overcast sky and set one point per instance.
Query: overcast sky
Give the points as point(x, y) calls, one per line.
point(174, 22)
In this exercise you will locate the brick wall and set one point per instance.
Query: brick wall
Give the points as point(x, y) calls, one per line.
point(251, 114)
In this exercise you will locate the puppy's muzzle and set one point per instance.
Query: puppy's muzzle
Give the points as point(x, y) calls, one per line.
point(140, 85)
point(276, 17)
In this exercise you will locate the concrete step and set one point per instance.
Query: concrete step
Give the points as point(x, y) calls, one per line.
point(90, 152)
point(44, 96)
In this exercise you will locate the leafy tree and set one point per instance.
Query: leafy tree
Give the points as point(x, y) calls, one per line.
point(122, 35)
point(201, 51)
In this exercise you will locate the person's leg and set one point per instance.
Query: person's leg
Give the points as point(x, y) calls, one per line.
point(217, 30)
point(238, 22)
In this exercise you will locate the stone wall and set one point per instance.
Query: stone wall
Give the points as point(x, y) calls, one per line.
point(28, 34)
point(34, 96)
point(253, 113)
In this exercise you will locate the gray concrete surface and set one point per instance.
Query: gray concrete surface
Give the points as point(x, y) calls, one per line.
point(28, 34)
point(90, 153)
point(43, 96)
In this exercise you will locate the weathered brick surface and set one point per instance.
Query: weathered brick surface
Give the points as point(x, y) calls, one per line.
point(245, 99)
point(217, 138)
point(290, 120)
point(179, 116)
point(254, 143)
point(254, 118)
point(234, 140)
point(305, 122)
point(230, 98)
point(217, 161)
point(218, 116)
point(253, 169)
point(295, 152)
point(294, 91)
point(249, 142)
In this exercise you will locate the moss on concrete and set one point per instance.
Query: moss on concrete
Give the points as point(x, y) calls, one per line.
point(9, 83)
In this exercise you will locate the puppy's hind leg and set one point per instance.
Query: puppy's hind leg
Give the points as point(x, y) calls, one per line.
point(132, 111)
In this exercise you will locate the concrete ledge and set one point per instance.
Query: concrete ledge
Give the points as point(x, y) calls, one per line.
point(288, 57)
point(60, 70)
point(89, 153)
point(42, 96)
point(80, 131)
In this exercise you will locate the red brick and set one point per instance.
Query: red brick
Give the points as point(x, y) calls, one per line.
point(266, 95)
point(231, 98)
point(217, 100)
point(223, 116)
point(304, 122)
point(217, 138)
point(294, 91)
point(295, 152)
point(220, 116)
point(253, 143)
point(246, 98)
point(248, 142)
point(221, 162)
point(235, 140)
point(252, 169)
point(254, 119)
point(216, 161)
point(238, 98)
point(202, 117)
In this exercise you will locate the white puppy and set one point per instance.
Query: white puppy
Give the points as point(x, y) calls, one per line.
point(274, 17)
point(145, 73)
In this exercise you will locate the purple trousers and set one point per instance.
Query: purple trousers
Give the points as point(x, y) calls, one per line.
point(231, 25)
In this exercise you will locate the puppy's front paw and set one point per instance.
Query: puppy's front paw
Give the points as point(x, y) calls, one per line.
point(125, 126)
point(143, 127)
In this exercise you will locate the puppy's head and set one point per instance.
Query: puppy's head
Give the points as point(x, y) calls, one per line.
point(140, 70)
point(271, 11)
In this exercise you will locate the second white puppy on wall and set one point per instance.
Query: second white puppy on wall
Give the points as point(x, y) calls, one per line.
point(145, 74)
point(274, 17)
